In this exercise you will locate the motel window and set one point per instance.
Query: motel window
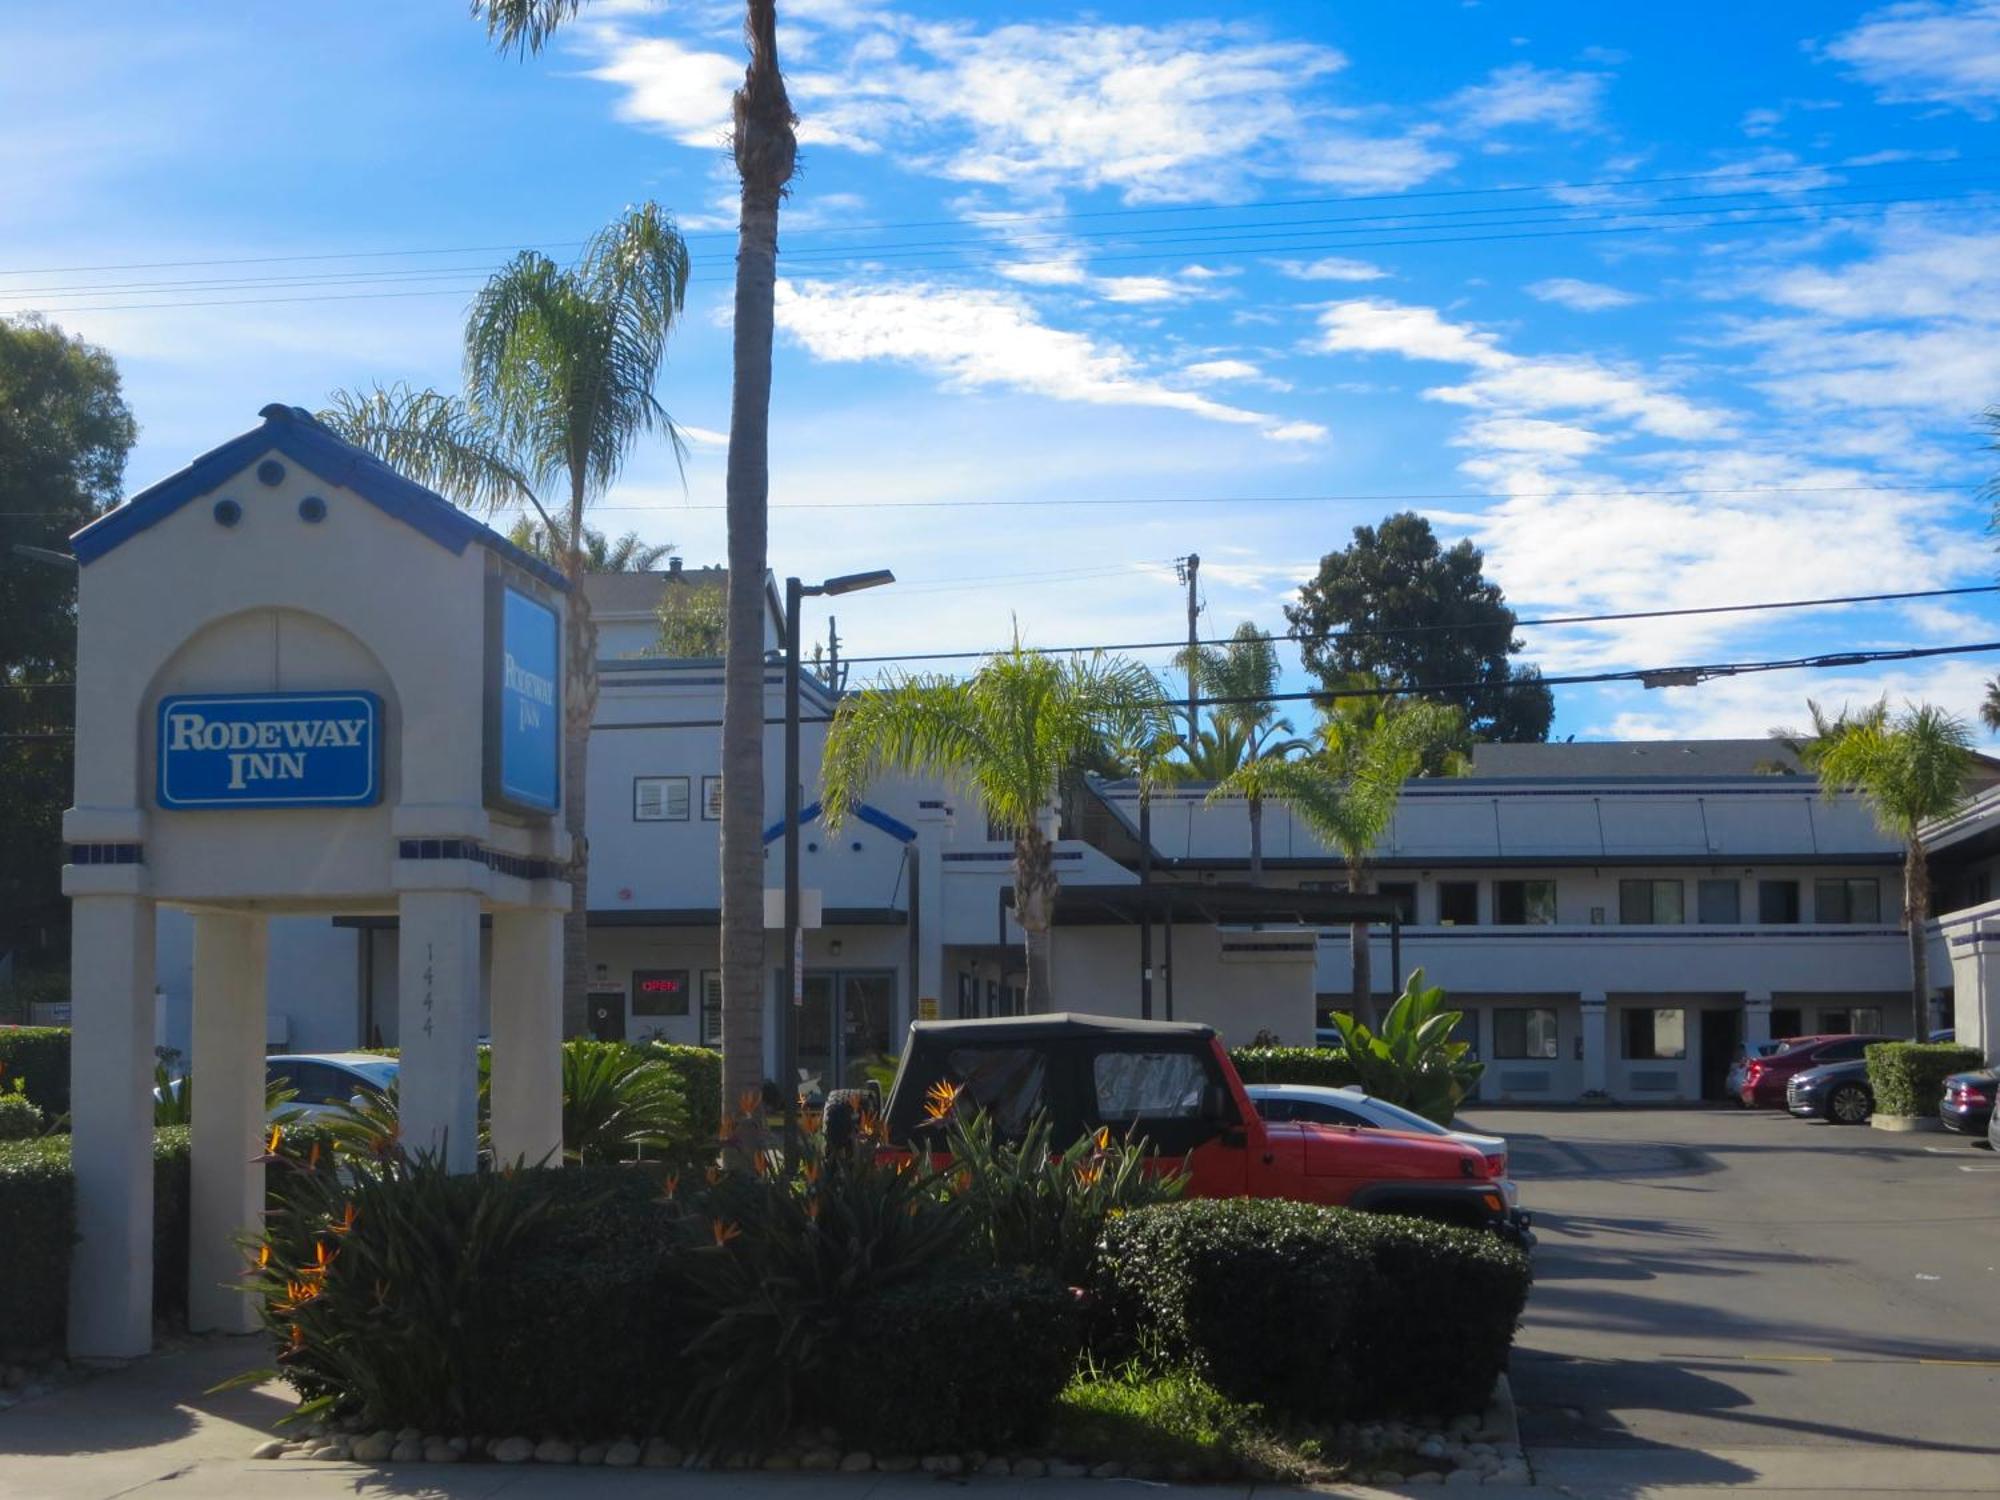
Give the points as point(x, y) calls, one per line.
point(1647, 903)
point(660, 992)
point(1777, 902)
point(1655, 1035)
point(659, 799)
point(1849, 900)
point(1404, 894)
point(1863, 1019)
point(1719, 901)
point(1524, 903)
point(1524, 1031)
point(711, 798)
point(1458, 903)
point(711, 1008)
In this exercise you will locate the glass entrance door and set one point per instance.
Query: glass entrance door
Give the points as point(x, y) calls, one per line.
point(846, 1018)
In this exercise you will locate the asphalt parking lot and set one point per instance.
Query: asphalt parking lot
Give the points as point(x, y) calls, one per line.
point(1731, 1297)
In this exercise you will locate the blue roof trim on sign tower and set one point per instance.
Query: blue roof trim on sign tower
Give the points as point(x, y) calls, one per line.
point(873, 816)
point(293, 431)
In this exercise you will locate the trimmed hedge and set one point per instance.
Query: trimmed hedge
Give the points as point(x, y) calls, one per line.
point(1908, 1077)
point(38, 1208)
point(20, 1118)
point(1317, 1312)
point(700, 1070)
point(969, 1361)
point(39, 1056)
point(1327, 1067)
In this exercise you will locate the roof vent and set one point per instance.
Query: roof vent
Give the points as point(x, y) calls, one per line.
point(673, 565)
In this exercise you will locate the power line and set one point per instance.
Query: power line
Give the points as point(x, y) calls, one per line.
point(839, 265)
point(1375, 631)
point(1385, 630)
point(1716, 174)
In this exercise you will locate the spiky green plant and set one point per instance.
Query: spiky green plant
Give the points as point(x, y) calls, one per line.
point(1412, 1059)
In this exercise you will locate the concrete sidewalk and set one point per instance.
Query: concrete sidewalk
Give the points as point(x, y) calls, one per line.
point(150, 1431)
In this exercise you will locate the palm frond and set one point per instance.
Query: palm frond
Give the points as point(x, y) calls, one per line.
point(1909, 769)
point(435, 439)
point(523, 26)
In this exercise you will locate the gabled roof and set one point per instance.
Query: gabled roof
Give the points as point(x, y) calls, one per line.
point(292, 431)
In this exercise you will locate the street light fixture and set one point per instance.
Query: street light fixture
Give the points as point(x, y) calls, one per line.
point(795, 595)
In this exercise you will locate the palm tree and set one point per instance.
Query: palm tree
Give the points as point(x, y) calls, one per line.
point(1989, 709)
point(1249, 737)
point(1910, 769)
point(1012, 732)
point(1346, 792)
point(629, 554)
point(560, 365)
point(1809, 746)
point(1140, 743)
point(765, 142)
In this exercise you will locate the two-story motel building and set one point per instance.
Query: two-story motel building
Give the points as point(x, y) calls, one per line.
point(1613, 918)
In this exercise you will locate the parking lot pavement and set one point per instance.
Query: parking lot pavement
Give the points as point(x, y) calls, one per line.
point(1729, 1297)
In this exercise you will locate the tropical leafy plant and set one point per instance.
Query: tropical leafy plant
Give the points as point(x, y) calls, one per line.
point(1412, 1060)
point(20, 1116)
point(630, 553)
point(1910, 769)
point(617, 1106)
point(1012, 732)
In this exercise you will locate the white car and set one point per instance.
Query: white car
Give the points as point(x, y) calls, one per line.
point(1349, 1106)
point(322, 1082)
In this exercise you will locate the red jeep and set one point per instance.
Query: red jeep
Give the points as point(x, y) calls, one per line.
point(1173, 1084)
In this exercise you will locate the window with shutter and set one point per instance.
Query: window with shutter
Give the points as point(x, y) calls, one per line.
point(659, 799)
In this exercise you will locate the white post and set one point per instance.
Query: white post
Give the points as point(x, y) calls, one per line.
point(527, 1037)
point(1756, 1021)
point(1594, 1050)
point(226, 1183)
point(111, 1140)
point(437, 978)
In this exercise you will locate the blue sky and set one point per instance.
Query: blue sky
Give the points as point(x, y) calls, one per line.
point(1664, 306)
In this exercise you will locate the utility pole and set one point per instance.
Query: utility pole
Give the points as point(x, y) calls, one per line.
point(833, 678)
point(1187, 570)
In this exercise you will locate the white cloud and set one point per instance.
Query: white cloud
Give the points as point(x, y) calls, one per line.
point(668, 87)
point(1223, 369)
point(1761, 122)
point(1370, 163)
point(1522, 94)
point(1554, 441)
point(703, 437)
point(1377, 326)
point(1296, 432)
point(1582, 296)
point(1331, 268)
point(1928, 53)
point(1137, 289)
point(975, 338)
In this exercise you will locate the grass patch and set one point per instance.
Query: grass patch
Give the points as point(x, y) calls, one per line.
point(1175, 1422)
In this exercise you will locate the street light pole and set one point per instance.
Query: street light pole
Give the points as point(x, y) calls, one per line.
point(789, 1002)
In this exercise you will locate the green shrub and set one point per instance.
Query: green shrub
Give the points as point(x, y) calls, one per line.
point(1413, 1060)
point(700, 1071)
point(39, 1056)
point(20, 1117)
point(1168, 1418)
point(1328, 1067)
point(38, 1212)
point(619, 1104)
point(1442, 1304)
point(1255, 1295)
point(1031, 1205)
point(955, 1362)
point(1908, 1077)
point(1316, 1312)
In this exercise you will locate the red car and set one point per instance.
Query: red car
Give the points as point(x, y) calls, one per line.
point(1174, 1084)
point(1764, 1078)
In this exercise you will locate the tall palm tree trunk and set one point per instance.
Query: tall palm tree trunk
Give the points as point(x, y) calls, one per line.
point(766, 149)
point(1916, 912)
point(1034, 909)
point(579, 710)
point(1363, 999)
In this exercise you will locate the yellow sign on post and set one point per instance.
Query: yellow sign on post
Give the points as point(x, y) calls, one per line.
point(927, 1008)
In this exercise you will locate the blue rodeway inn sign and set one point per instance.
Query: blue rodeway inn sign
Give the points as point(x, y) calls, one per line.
point(270, 750)
point(523, 701)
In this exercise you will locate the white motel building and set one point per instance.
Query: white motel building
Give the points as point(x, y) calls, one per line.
point(1613, 918)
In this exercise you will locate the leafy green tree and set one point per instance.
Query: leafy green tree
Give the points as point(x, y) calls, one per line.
point(1413, 615)
point(1011, 732)
point(560, 366)
point(1412, 1060)
point(764, 142)
point(1248, 738)
point(64, 434)
point(693, 621)
point(1910, 768)
point(1347, 790)
point(629, 554)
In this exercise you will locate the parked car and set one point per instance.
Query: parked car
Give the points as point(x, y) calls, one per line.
point(1172, 1084)
point(1349, 1106)
point(1733, 1083)
point(319, 1082)
point(1764, 1078)
point(1967, 1106)
point(1839, 1092)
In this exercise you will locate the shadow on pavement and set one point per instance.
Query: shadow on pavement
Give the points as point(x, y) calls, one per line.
point(159, 1400)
